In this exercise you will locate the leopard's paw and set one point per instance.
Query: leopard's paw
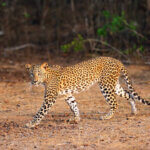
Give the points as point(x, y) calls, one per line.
point(75, 120)
point(30, 125)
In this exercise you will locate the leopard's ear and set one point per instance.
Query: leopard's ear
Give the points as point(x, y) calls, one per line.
point(28, 66)
point(44, 65)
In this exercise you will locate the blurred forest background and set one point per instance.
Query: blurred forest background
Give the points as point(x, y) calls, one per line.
point(75, 28)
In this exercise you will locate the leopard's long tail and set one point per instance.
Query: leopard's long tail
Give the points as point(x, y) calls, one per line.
point(134, 95)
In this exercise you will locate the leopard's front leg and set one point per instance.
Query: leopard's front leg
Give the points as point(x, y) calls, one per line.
point(73, 106)
point(49, 100)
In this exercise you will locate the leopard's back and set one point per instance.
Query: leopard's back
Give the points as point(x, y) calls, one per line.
point(83, 75)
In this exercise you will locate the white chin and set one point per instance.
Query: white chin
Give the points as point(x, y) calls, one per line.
point(38, 84)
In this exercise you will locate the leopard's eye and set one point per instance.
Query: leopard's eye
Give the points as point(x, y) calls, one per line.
point(39, 73)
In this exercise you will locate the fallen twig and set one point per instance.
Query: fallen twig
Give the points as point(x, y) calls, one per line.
point(19, 47)
point(143, 82)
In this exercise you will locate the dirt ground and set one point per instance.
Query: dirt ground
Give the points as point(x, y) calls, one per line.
point(19, 102)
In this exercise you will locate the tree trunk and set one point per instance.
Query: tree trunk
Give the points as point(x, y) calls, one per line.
point(148, 17)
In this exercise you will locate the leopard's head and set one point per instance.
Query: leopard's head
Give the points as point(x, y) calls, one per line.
point(38, 73)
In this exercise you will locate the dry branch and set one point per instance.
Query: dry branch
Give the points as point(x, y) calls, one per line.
point(107, 44)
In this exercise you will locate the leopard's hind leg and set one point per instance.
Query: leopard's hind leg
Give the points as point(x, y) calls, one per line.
point(126, 94)
point(110, 97)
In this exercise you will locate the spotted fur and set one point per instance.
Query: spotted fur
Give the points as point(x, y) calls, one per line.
point(69, 80)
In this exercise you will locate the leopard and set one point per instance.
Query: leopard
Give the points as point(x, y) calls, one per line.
point(66, 81)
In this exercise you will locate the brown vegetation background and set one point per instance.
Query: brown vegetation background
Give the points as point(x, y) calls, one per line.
point(43, 26)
